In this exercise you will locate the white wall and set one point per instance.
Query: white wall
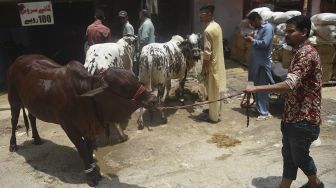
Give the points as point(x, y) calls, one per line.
point(228, 14)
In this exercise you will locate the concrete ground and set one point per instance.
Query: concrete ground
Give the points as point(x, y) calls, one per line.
point(183, 153)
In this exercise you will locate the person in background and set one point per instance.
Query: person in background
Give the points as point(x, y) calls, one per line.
point(213, 63)
point(259, 69)
point(146, 29)
point(97, 32)
point(145, 36)
point(301, 119)
point(127, 27)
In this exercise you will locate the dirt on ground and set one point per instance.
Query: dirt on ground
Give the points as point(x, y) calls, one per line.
point(183, 153)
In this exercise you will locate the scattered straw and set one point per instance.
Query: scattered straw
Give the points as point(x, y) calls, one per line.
point(223, 140)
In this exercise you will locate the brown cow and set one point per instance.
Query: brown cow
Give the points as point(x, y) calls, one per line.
point(69, 96)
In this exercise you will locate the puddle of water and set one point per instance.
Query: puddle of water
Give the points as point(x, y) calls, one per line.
point(106, 166)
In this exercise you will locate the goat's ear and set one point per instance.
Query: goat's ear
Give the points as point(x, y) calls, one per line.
point(94, 92)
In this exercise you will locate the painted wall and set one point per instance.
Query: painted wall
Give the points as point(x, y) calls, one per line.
point(228, 14)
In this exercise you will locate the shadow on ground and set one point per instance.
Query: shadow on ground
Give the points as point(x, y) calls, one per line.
point(59, 161)
point(63, 163)
point(268, 182)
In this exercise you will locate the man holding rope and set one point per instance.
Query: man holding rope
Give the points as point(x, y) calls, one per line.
point(301, 119)
point(213, 63)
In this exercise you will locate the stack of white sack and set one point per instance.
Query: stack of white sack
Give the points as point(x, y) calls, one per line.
point(278, 20)
point(265, 13)
point(281, 29)
point(325, 26)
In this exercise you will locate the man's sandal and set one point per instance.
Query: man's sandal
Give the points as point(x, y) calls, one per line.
point(262, 118)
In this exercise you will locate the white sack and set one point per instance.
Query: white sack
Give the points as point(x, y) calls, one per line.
point(259, 10)
point(316, 40)
point(275, 14)
point(281, 29)
point(266, 15)
point(282, 18)
point(264, 12)
point(324, 19)
point(327, 32)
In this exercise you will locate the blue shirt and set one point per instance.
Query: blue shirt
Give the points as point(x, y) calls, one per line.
point(261, 54)
point(146, 32)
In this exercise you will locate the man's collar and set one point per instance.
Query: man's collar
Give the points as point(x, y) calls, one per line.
point(306, 42)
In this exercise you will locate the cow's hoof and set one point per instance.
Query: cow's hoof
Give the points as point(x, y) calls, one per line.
point(13, 148)
point(91, 179)
point(38, 141)
point(123, 138)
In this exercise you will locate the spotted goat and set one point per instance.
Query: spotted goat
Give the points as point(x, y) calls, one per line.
point(161, 62)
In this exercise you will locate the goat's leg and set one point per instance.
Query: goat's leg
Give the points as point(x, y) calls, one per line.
point(161, 89)
point(181, 88)
point(122, 136)
point(140, 119)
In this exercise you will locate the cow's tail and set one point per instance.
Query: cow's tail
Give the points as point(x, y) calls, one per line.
point(26, 122)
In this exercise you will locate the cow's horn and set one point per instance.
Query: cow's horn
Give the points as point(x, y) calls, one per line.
point(94, 92)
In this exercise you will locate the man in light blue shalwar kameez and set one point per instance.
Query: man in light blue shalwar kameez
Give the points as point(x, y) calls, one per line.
point(146, 30)
point(146, 35)
point(259, 71)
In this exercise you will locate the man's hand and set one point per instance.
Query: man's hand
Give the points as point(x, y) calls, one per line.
point(250, 89)
point(248, 38)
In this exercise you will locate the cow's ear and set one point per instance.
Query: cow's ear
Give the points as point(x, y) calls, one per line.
point(94, 92)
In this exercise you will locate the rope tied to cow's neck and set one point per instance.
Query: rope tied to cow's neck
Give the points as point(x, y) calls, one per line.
point(245, 103)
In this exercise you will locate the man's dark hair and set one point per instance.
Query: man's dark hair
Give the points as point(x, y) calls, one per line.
point(99, 14)
point(301, 22)
point(253, 16)
point(208, 8)
point(145, 13)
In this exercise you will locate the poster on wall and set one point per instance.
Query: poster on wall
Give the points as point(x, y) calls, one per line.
point(36, 13)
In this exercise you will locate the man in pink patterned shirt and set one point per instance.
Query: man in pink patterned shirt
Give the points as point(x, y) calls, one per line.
point(301, 119)
point(97, 32)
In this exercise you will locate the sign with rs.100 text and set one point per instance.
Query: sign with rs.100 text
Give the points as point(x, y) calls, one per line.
point(36, 13)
